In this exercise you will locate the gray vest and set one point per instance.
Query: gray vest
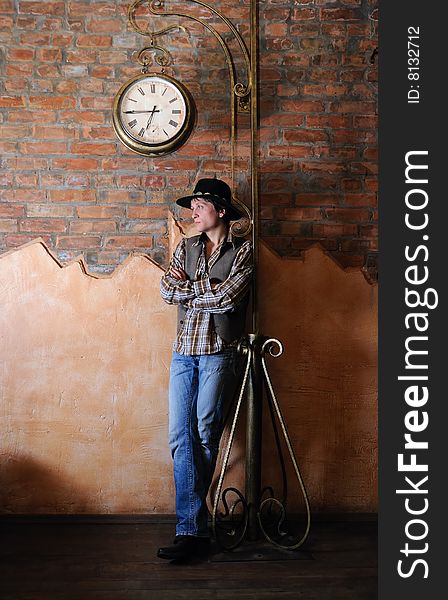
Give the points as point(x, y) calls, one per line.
point(230, 325)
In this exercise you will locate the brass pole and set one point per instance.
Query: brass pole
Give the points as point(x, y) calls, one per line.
point(254, 152)
point(254, 438)
point(255, 388)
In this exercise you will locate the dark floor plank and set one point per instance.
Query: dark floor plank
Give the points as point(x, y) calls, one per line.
point(117, 561)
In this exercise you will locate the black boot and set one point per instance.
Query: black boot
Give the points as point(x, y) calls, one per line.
point(185, 546)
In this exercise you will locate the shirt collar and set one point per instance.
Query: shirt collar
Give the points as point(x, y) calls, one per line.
point(203, 237)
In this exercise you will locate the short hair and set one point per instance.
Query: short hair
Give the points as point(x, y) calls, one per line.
point(225, 217)
point(217, 207)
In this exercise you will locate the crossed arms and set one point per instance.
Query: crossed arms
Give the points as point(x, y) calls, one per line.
point(202, 294)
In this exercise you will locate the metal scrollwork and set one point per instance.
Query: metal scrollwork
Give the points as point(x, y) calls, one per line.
point(243, 226)
point(241, 90)
point(231, 525)
point(163, 57)
point(271, 511)
point(284, 541)
point(269, 345)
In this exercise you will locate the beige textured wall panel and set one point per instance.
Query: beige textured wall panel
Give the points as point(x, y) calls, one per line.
point(84, 369)
point(84, 374)
point(326, 379)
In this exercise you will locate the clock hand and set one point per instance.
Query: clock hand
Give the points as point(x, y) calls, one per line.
point(127, 112)
point(150, 117)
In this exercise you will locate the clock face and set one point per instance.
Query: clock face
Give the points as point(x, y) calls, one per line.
point(153, 114)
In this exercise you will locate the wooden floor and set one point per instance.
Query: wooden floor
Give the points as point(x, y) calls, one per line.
point(106, 559)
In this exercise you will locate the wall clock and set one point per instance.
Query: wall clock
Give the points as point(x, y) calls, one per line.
point(153, 114)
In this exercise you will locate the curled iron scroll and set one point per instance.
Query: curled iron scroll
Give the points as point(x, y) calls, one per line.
point(162, 57)
point(217, 522)
point(243, 226)
point(268, 346)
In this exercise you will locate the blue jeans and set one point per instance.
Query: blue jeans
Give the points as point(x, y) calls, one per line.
point(200, 387)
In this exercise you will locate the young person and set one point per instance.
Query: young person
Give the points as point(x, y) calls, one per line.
point(209, 279)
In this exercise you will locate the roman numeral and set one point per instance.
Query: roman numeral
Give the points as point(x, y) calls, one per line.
point(132, 123)
point(173, 99)
point(141, 132)
point(165, 133)
point(131, 99)
point(173, 123)
point(153, 88)
point(176, 111)
point(164, 91)
point(141, 91)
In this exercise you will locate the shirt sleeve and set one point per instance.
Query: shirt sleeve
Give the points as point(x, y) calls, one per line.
point(223, 297)
point(172, 290)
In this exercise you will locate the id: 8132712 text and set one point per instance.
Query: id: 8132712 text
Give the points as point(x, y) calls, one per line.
point(414, 65)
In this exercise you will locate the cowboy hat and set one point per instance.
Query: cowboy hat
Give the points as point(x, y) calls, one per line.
point(215, 191)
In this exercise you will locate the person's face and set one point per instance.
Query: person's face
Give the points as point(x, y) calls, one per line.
point(205, 215)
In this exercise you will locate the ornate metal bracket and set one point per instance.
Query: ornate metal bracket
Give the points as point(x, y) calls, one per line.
point(239, 91)
point(155, 7)
point(250, 514)
point(163, 58)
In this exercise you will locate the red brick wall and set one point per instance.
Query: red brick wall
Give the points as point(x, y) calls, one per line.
point(65, 177)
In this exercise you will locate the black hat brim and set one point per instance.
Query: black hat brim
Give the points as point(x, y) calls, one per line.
point(233, 213)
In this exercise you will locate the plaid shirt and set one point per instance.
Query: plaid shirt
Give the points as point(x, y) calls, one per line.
point(198, 335)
